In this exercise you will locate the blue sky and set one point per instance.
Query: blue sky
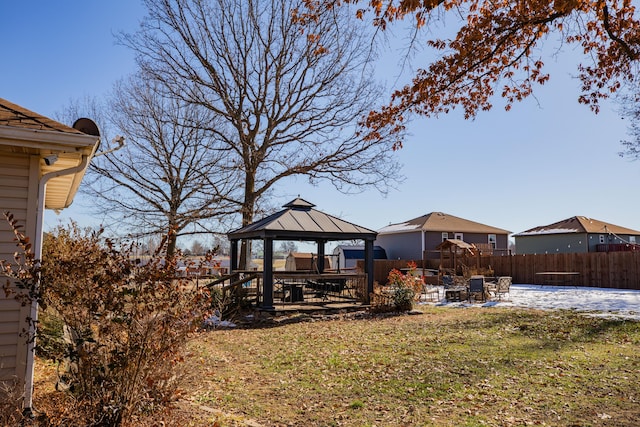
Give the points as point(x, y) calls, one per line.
point(547, 159)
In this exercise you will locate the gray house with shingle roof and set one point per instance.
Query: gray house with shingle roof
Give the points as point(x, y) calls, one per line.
point(418, 238)
point(577, 234)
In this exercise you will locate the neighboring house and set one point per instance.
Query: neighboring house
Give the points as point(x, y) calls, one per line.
point(347, 256)
point(418, 238)
point(577, 234)
point(42, 163)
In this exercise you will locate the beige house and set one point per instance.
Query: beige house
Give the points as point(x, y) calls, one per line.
point(42, 163)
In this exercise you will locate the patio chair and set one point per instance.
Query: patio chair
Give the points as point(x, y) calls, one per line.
point(431, 293)
point(476, 285)
point(502, 286)
point(447, 281)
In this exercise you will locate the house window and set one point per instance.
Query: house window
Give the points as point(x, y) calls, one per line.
point(445, 236)
point(458, 236)
point(632, 239)
point(492, 241)
point(601, 238)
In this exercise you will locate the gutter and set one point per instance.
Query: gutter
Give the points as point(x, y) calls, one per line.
point(28, 400)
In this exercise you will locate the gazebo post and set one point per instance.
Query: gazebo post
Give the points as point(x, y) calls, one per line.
point(233, 262)
point(320, 251)
point(267, 275)
point(368, 267)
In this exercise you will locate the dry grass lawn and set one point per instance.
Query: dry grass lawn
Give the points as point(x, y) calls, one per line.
point(444, 367)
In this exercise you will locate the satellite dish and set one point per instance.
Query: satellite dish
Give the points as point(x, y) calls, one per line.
point(87, 126)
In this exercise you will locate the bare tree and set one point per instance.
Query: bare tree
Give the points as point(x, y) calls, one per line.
point(630, 109)
point(165, 178)
point(288, 246)
point(289, 100)
point(197, 248)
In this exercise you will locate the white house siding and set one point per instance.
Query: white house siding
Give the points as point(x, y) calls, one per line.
point(18, 195)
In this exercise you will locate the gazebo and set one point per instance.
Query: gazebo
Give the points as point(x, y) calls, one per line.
point(300, 221)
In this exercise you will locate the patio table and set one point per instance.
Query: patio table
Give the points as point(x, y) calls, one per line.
point(455, 293)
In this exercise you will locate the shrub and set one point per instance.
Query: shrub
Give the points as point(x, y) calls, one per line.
point(50, 344)
point(405, 287)
point(126, 323)
point(11, 395)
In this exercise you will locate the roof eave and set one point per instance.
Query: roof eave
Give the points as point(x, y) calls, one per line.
point(48, 140)
point(26, 132)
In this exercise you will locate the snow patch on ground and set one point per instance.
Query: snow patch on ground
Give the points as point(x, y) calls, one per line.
point(601, 302)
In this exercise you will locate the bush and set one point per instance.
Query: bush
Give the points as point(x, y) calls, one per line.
point(406, 288)
point(50, 344)
point(125, 324)
point(11, 395)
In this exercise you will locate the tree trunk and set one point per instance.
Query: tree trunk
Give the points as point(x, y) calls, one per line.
point(248, 207)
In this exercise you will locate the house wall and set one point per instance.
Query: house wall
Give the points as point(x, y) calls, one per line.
point(401, 245)
point(610, 239)
point(567, 242)
point(19, 176)
point(482, 238)
point(408, 246)
point(555, 243)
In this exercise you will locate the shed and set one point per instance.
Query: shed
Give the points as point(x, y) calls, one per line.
point(347, 256)
point(297, 261)
point(42, 163)
point(300, 221)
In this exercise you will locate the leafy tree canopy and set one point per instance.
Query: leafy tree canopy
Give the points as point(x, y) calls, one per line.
point(497, 50)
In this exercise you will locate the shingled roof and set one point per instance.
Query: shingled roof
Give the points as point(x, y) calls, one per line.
point(440, 222)
point(19, 117)
point(578, 224)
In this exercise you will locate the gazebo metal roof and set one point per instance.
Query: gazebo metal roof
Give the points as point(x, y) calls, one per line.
point(300, 221)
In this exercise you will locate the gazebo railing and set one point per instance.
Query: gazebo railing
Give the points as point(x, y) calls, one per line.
point(299, 287)
point(309, 287)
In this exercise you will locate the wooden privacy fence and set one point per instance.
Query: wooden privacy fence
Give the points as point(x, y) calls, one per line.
point(382, 267)
point(597, 269)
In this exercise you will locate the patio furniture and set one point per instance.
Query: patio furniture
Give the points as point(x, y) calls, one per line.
point(500, 287)
point(431, 293)
point(476, 285)
point(447, 281)
point(324, 287)
point(455, 293)
point(292, 292)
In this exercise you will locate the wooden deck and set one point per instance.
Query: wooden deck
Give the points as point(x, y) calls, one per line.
point(299, 291)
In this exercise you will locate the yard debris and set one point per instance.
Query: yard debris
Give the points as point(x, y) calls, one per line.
point(214, 321)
